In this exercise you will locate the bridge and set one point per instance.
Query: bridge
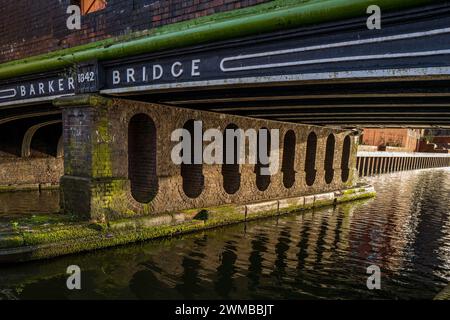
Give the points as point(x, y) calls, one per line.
point(313, 70)
point(335, 73)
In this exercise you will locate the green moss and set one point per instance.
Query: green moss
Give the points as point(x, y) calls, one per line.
point(101, 149)
point(355, 196)
point(11, 241)
point(349, 191)
point(79, 100)
point(57, 235)
point(323, 203)
point(44, 219)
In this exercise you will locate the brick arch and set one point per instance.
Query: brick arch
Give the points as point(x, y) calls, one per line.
point(30, 134)
point(142, 159)
point(329, 159)
point(289, 159)
point(192, 174)
point(310, 161)
point(262, 181)
point(345, 160)
point(230, 171)
point(60, 147)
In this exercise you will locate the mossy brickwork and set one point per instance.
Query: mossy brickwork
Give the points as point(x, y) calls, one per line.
point(96, 184)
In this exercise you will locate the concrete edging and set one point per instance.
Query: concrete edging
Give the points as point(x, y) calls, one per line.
point(28, 187)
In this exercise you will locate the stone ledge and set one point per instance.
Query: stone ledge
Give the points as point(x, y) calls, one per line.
point(28, 187)
point(58, 235)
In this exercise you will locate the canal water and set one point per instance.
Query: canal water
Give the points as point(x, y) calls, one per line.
point(320, 254)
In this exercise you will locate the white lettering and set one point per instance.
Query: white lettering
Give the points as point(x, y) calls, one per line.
point(198, 142)
point(50, 87)
point(374, 281)
point(269, 157)
point(157, 72)
point(74, 280)
point(41, 88)
point(130, 75)
point(71, 84)
point(374, 21)
point(181, 153)
point(144, 74)
point(175, 66)
point(61, 85)
point(116, 77)
point(213, 153)
point(195, 68)
point(74, 20)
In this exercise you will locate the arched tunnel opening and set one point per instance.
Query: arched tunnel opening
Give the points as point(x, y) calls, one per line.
point(38, 137)
point(43, 142)
point(288, 167)
point(310, 161)
point(345, 160)
point(329, 159)
point(142, 158)
point(31, 151)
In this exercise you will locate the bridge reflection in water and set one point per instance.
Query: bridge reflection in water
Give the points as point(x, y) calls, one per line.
point(316, 254)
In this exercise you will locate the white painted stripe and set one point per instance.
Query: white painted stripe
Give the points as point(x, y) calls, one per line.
point(377, 154)
point(342, 75)
point(300, 108)
point(340, 59)
point(11, 95)
point(414, 35)
point(34, 100)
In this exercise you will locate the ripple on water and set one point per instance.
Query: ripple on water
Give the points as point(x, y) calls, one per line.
point(318, 254)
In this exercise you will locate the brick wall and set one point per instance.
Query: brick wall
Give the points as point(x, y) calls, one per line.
point(97, 162)
point(30, 173)
point(406, 139)
point(30, 27)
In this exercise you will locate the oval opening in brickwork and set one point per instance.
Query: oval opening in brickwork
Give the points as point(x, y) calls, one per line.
point(142, 158)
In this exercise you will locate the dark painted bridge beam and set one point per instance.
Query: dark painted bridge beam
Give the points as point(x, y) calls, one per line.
point(403, 89)
point(351, 104)
point(339, 73)
point(28, 112)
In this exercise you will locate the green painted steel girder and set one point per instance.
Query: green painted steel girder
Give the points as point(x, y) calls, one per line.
point(287, 15)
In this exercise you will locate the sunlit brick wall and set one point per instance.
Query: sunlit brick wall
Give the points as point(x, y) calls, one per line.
point(30, 27)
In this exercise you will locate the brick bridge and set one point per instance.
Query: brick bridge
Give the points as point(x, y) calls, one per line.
point(107, 109)
point(118, 160)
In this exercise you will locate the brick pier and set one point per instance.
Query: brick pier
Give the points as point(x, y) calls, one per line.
point(118, 161)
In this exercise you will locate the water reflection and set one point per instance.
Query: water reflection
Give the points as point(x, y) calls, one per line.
point(316, 254)
point(29, 203)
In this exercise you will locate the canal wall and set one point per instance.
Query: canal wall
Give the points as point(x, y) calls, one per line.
point(17, 174)
point(374, 163)
point(118, 161)
point(39, 237)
